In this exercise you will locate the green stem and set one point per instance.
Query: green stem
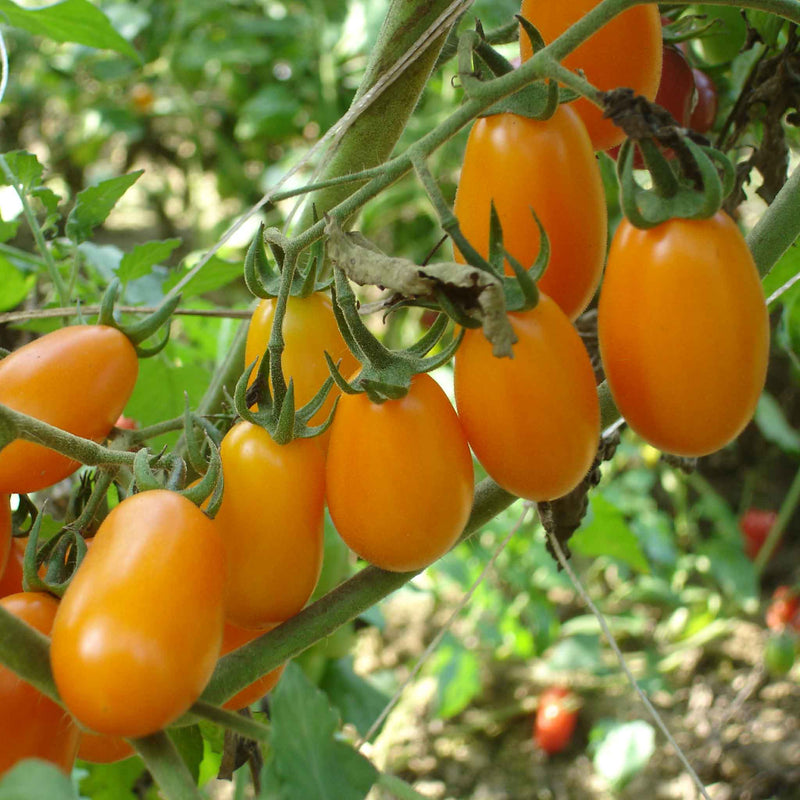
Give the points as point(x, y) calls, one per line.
point(37, 232)
point(165, 764)
point(26, 652)
point(249, 728)
point(785, 513)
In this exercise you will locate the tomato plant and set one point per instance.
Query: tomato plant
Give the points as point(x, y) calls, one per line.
point(624, 52)
point(309, 331)
point(779, 652)
point(399, 476)
point(726, 36)
point(783, 609)
point(533, 421)
point(548, 166)
point(33, 379)
point(684, 332)
point(32, 725)
point(556, 717)
point(139, 629)
point(755, 525)
point(271, 522)
point(705, 110)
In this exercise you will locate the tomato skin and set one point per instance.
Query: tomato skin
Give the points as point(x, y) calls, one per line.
point(271, 521)
point(77, 378)
point(32, 725)
point(755, 525)
point(547, 166)
point(309, 329)
point(399, 476)
point(624, 52)
point(99, 749)
point(11, 579)
point(139, 629)
point(783, 610)
point(234, 638)
point(555, 719)
point(705, 110)
point(684, 332)
point(532, 421)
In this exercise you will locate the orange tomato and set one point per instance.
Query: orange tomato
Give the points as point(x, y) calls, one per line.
point(270, 521)
point(624, 52)
point(547, 166)
point(684, 332)
point(533, 421)
point(139, 629)
point(99, 749)
point(234, 638)
point(399, 476)
point(32, 725)
point(11, 579)
point(78, 379)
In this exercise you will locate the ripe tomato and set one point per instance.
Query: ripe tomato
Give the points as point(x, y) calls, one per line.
point(271, 521)
point(142, 98)
point(684, 333)
point(32, 725)
point(399, 476)
point(783, 610)
point(233, 639)
point(625, 52)
point(99, 749)
point(547, 166)
point(78, 379)
point(556, 717)
point(705, 110)
point(532, 421)
point(139, 629)
point(755, 525)
point(309, 330)
point(5, 531)
point(11, 579)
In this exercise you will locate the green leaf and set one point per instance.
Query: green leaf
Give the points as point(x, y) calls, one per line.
point(8, 230)
point(94, 204)
point(607, 534)
point(14, 285)
point(35, 779)
point(624, 750)
point(111, 781)
point(579, 652)
point(26, 169)
point(774, 427)
point(310, 761)
point(76, 21)
point(216, 273)
point(459, 677)
point(783, 272)
point(732, 570)
point(144, 257)
point(189, 742)
point(359, 701)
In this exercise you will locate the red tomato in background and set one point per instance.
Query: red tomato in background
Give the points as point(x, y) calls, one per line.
point(399, 476)
point(533, 421)
point(684, 332)
point(547, 166)
point(78, 379)
point(556, 717)
point(234, 638)
point(784, 609)
point(139, 629)
point(32, 725)
point(624, 52)
point(271, 522)
point(705, 110)
point(755, 525)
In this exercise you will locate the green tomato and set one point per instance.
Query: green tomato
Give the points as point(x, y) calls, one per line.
point(779, 653)
point(725, 38)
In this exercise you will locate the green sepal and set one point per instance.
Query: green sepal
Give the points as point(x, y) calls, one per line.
point(521, 292)
point(62, 553)
point(259, 276)
point(532, 32)
point(454, 311)
point(210, 485)
point(193, 448)
point(25, 510)
point(143, 474)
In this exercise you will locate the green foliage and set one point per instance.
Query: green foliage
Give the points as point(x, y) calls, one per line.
point(621, 750)
point(34, 779)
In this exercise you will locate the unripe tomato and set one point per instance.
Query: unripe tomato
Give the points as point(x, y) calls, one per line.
point(78, 379)
point(271, 521)
point(548, 166)
point(139, 629)
point(309, 330)
point(783, 610)
point(556, 717)
point(755, 525)
point(32, 725)
point(533, 421)
point(234, 638)
point(624, 52)
point(399, 476)
point(705, 110)
point(99, 749)
point(684, 332)
point(5, 531)
point(727, 36)
point(779, 653)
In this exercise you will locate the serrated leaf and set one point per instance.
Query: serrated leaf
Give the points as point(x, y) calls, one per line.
point(76, 21)
point(623, 751)
point(35, 779)
point(215, 273)
point(94, 204)
point(144, 257)
point(26, 169)
point(311, 763)
point(14, 285)
point(774, 427)
point(607, 533)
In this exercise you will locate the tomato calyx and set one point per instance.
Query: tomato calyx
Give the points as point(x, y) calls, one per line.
point(60, 556)
point(139, 332)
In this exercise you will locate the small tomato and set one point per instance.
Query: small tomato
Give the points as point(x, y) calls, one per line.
point(556, 717)
point(755, 525)
point(783, 609)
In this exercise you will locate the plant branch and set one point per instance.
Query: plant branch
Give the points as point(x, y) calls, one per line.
point(169, 770)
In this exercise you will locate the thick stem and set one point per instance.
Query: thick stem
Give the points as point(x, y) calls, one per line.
point(167, 767)
point(26, 652)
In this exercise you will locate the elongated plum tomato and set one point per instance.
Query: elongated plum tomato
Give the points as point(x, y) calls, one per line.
point(233, 639)
point(139, 629)
point(624, 52)
point(32, 725)
point(533, 421)
point(309, 330)
point(271, 521)
point(399, 476)
point(556, 717)
point(78, 379)
point(5, 532)
point(684, 333)
point(547, 166)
